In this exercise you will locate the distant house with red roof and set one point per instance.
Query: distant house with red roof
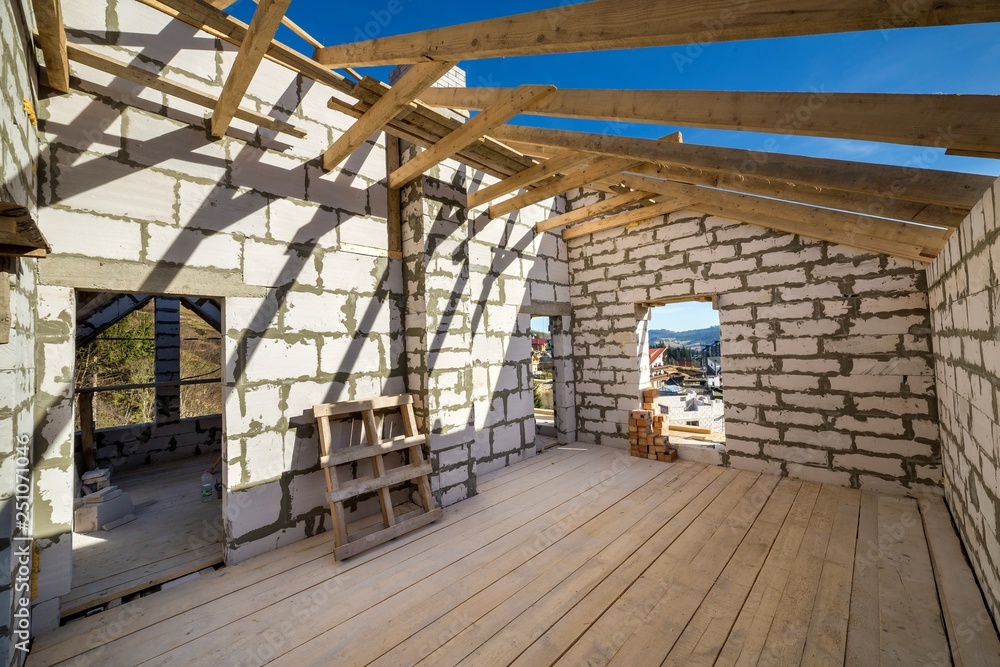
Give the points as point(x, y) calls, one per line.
point(656, 359)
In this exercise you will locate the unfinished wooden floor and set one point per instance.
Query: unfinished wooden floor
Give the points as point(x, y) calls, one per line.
point(577, 556)
point(174, 534)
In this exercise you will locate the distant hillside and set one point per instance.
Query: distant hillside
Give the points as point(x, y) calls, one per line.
point(693, 338)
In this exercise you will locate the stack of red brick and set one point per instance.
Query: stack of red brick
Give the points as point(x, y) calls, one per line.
point(648, 436)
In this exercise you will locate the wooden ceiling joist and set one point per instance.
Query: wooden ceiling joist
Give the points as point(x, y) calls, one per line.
point(622, 24)
point(258, 38)
point(599, 168)
point(52, 39)
point(966, 122)
point(590, 211)
point(640, 214)
point(945, 188)
point(520, 99)
point(399, 97)
point(142, 77)
point(533, 174)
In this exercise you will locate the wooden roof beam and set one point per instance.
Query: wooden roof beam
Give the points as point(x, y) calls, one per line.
point(623, 24)
point(52, 39)
point(591, 211)
point(144, 78)
point(523, 179)
point(598, 168)
point(398, 98)
point(255, 44)
point(851, 229)
point(656, 209)
point(517, 102)
point(944, 188)
point(964, 122)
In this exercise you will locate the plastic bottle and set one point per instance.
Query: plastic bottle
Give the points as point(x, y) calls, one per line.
point(207, 482)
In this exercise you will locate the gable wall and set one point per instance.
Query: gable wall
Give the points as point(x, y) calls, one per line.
point(827, 363)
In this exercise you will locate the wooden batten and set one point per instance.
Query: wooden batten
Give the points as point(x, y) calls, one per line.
point(412, 84)
point(627, 218)
point(531, 175)
point(593, 210)
point(522, 98)
point(52, 40)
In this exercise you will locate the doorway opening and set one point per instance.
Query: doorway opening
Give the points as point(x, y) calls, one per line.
point(148, 446)
point(685, 365)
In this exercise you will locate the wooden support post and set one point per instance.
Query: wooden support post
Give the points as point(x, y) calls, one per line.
point(258, 38)
point(6, 320)
point(394, 213)
point(87, 430)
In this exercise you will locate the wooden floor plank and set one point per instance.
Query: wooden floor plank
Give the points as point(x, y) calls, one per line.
point(787, 634)
point(754, 617)
point(708, 628)
point(611, 626)
point(579, 558)
point(862, 642)
point(612, 570)
point(742, 541)
point(970, 629)
point(265, 573)
point(476, 547)
point(911, 628)
point(467, 626)
point(826, 642)
point(581, 526)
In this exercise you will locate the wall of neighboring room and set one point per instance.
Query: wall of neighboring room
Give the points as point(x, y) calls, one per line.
point(18, 148)
point(965, 315)
point(827, 363)
point(137, 198)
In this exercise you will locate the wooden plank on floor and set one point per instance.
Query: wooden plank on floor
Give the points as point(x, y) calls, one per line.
point(754, 617)
point(910, 616)
point(600, 622)
point(704, 635)
point(240, 617)
point(826, 642)
point(266, 571)
point(735, 551)
point(639, 547)
point(464, 628)
point(862, 639)
point(578, 529)
point(786, 636)
point(971, 635)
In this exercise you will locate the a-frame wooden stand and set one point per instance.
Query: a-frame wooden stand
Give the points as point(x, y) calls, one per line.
point(375, 450)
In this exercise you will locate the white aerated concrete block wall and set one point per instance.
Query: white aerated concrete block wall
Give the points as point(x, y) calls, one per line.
point(827, 359)
point(965, 313)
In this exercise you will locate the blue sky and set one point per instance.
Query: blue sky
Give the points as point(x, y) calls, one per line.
point(951, 59)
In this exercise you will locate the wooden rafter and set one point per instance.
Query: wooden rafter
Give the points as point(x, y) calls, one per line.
point(855, 230)
point(620, 24)
point(598, 168)
point(258, 38)
point(945, 188)
point(591, 211)
point(966, 122)
point(156, 82)
point(533, 174)
point(640, 214)
point(414, 82)
point(520, 99)
point(52, 39)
